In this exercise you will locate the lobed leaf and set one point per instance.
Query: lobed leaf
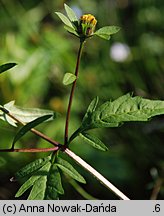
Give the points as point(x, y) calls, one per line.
point(25, 115)
point(126, 108)
point(112, 114)
point(32, 167)
point(29, 126)
point(91, 108)
point(69, 78)
point(93, 141)
point(6, 67)
point(39, 186)
point(54, 180)
point(45, 182)
point(68, 169)
point(86, 122)
point(106, 31)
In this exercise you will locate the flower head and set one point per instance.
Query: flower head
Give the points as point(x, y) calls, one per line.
point(87, 25)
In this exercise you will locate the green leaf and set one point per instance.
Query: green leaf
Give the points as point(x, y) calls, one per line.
point(54, 180)
point(32, 167)
point(6, 67)
point(91, 108)
point(45, 183)
point(29, 126)
point(86, 122)
point(106, 31)
point(64, 19)
point(69, 78)
point(25, 115)
point(71, 14)
point(93, 141)
point(68, 169)
point(39, 186)
point(29, 183)
point(124, 109)
point(71, 30)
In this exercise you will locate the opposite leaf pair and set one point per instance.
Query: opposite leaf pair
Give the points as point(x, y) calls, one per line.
point(45, 178)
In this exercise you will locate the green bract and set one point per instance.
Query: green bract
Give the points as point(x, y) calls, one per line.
point(85, 26)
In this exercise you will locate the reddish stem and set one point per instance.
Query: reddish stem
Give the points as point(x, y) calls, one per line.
point(30, 150)
point(72, 94)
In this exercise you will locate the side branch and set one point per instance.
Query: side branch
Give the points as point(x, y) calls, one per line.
point(30, 150)
point(36, 132)
point(96, 174)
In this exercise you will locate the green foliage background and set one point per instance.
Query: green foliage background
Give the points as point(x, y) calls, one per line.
point(33, 36)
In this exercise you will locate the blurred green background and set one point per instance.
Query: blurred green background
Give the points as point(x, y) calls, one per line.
point(132, 61)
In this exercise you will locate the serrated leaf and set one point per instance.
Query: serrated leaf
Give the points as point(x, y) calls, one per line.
point(54, 179)
point(39, 186)
point(51, 193)
point(69, 78)
point(32, 167)
point(70, 13)
point(6, 67)
point(45, 183)
point(126, 108)
point(91, 108)
point(86, 122)
point(29, 183)
point(29, 126)
point(66, 167)
point(93, 141)
point(106, 31)
point(64, 19)
point(25, 115)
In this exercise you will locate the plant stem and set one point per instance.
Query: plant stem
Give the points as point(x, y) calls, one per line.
point(30, 150)
point(36, 132)
point(72, 94)
point(96, 174)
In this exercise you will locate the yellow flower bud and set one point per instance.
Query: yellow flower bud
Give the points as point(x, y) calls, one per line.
point(87, 24)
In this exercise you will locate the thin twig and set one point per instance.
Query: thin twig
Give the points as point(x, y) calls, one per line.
point(72, 94)
point(96, 174)
point(36, 132)
point(30, 150)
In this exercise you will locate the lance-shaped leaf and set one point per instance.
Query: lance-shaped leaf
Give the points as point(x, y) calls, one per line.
point(91, 108)
point(70, 13)
point(54, 180)
point(71, 30)
point(45, 183)
point(25, 115)
point(32, 167)
point(30, 182)
point(29, 126)
point(69, 78)
point(39, 186)
point(86, 122)
point(93, 141)
point(68, 169)
point(6, 67)
point(64, 19)
point(106, 31)
point(124, 109)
